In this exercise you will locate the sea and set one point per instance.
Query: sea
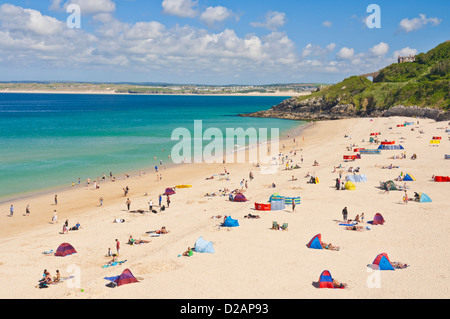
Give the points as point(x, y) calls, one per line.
point(49, 141)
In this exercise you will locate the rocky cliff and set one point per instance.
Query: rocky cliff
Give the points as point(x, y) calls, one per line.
point(315, 109)
point(412, 89)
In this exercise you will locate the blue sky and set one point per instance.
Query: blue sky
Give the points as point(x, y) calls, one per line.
point(212, 41)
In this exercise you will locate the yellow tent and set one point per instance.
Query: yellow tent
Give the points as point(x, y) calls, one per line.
point(435, 142)
point(350, 186)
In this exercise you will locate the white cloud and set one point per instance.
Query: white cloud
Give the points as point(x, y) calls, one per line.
point(379, 50)
point(408, 25)
point(405, 52)
point(345, 53)
point(274, 21)
point(15, 18)
point(92, 6)
point(212, 15)
point(327, 24)
point(56, 5)
point(311, 50)
point(180, 8)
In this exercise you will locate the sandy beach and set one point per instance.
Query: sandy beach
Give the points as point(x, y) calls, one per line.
point(252, 260)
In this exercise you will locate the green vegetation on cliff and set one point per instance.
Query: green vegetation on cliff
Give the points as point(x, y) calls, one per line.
point(424, 82)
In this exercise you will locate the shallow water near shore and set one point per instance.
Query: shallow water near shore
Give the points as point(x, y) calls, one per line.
point(52, 140)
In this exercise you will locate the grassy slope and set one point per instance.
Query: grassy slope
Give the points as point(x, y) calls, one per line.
point(424, 82)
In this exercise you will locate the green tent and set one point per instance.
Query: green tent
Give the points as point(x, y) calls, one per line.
point(391, 184)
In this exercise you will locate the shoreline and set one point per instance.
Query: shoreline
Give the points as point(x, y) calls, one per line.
point(120, 176)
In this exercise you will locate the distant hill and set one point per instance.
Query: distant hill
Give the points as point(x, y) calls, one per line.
point(419, 88)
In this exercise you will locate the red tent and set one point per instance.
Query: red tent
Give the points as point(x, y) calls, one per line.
point(65, 249)
point(374, 134)
point(436, 138)
point(169, 191)
point(378, 219)
point(388, 143)
point(259, 206)
point(326, 281)
point(125, 278)
point(442, 178)
point(350, 157)
point(239, 198)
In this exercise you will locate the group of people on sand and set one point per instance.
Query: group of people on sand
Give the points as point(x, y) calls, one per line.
point(47, 279)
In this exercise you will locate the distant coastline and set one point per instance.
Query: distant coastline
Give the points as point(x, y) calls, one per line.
point(287, 93)
point(158, 89)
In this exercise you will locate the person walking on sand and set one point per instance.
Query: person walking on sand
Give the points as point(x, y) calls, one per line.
point(405, 198)
point(344, 214)
point(11, 211)
point(128, 204)
point(55, 217)
point(27, 210)
point(117, 246)
point(293, 205)
point(101, 200)
point(150, 205)
point(160, 200)
point(168, 201)
point(56, 199)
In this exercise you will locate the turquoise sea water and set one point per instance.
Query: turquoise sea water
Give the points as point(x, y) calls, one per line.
point(51, 140)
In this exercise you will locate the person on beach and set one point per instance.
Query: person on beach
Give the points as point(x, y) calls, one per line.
point(405, 198)
point(329, 246)
point(337, 284)
point(56, 199)
point(293, 206)
point(65, 230)
point(27, 210)
point(128, 202)
point(11, 211)
point(133, 241)
point(188, 252)
point(344, 214)
point(150, 205)
point(101, 200)
point(117, 246)
point(57, 277)
point(362, 217)
point(168, 201)
point(160, 199)
point(55, 217)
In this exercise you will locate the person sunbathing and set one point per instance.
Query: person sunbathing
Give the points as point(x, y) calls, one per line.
point(133, 241)
point(163, 230)
point(251, 216)
point(399, 265)
point(76, 227)
point(337, 284)
point(354, 227)
point(329, 246)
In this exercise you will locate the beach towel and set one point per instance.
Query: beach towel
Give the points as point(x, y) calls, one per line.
point(114, 264)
